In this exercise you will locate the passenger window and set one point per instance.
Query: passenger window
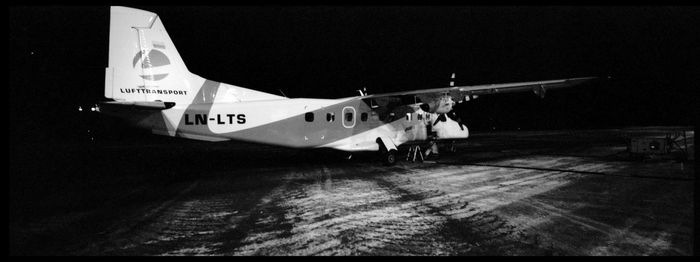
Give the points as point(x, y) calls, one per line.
point(330, 117)
point(309, 117)
point(363, 117)
point(408, 116)
point(348, 117)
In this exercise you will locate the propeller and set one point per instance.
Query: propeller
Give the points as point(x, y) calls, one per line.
point(440, 117)
point(445, 106)
point(456, 116)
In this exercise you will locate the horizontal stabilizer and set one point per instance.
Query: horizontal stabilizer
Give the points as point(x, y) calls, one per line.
point(144, 105)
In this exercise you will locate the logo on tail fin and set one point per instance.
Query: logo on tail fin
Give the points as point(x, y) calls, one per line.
point(151, 60)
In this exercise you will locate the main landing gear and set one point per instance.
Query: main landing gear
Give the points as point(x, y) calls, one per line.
point(390, 157)
point(387, 151)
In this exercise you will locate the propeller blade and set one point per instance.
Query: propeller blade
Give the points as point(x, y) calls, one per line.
point(441, 117)
point(455, 116)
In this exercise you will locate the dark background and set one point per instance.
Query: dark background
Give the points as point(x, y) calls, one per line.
point(58, 54)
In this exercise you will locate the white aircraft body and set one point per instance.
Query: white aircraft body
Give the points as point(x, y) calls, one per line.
point(150, 86)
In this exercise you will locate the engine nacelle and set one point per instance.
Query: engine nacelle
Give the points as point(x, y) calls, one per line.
point(442, 105)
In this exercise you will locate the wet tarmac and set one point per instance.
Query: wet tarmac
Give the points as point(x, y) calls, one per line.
point(509, 193)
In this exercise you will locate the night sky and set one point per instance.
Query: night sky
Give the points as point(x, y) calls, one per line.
point(58, 56)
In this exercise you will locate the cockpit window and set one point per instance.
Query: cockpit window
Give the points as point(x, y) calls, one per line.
point(309, 117)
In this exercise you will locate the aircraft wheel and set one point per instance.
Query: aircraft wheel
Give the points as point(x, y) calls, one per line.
point(390, 157)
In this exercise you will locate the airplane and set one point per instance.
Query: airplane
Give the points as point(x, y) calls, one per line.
point(148, 84)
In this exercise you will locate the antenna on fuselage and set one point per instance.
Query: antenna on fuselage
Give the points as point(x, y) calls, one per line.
point(282, 93)
point(452, 83)
point(363, 91)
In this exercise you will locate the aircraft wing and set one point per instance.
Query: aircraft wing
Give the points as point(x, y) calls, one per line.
point(535, 86)
point(436, 102)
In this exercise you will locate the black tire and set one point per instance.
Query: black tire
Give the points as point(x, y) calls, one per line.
point(390, 157)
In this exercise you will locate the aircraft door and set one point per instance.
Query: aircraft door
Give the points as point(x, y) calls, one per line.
point(349, 117)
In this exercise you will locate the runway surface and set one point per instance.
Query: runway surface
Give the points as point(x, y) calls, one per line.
point(509, 193)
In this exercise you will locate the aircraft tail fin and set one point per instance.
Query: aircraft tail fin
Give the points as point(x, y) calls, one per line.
point(144, 65)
